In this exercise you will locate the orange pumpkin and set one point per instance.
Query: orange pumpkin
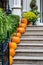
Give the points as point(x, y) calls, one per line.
point(21, 30)
point(11, 60)
point(12, 45)
point(22, 25)
point(16, 39)
point(12, 52)
point(18, 34)
point(24, 20)
point(15, 34)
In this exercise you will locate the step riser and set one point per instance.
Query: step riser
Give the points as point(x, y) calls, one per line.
point(29, 42)
point(29, 36)
point(28, 62)
point(29, 54)
point(29, 47)
point(35, 28)
point(33, 33)
point(31, 39)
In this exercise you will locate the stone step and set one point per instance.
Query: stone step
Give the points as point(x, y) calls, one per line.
point(31, 36)
point(33, 33)
point(30, 47)
point(35, 27)
point(31, 42)
point(28, 64)
point(29, 50)
point(28, 29)
point(31, 39)
point(27, 58)
point(31, 54)
point(35, 62)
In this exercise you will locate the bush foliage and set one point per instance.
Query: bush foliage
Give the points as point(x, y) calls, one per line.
point(8, 24)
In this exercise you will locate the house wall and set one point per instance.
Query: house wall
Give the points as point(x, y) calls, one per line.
point(11, 3)
point(26, 5)
point(16, 7)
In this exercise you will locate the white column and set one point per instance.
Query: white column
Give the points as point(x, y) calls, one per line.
point(19, 2)
point(24, 5)
point(15, 2)
point(17, 7)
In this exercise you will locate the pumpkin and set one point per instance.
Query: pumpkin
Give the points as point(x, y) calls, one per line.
point(24, 20)
point(18, 34)
point(22, 25)
point(16, 39)
point(12, 52)
point(12, 45)
point(21, 30)
point(15, 34)
point(11, 60)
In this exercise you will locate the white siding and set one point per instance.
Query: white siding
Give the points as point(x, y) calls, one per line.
point(11, 3)
point(38, 3)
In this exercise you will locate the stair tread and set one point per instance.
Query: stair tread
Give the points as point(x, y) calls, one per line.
point(32, 29)
point(31, 39)
point(33, 34)
point(35, 26)
point(37, 29)
point(20, 64)
point(28, 58)
point(29, 50)
point(31, 44)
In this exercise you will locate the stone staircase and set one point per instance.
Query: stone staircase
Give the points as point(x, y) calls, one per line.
point(30, 50)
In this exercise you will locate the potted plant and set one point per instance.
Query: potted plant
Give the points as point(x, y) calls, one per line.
point(34, 8)
point(31, 17)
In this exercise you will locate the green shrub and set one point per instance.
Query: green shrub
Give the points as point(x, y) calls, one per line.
point(13, 22)
point(3, 30)
point(8, 25)
point(30, 16)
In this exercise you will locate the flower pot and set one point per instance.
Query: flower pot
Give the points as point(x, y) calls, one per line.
point(30, 23)
point(34, 23)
